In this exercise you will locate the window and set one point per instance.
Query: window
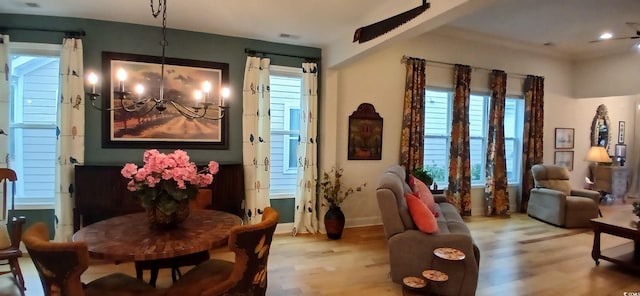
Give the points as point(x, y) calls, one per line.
point(34, 93)
point(286, 94)
point(438, 112)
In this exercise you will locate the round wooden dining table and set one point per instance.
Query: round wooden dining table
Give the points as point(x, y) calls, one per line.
point(130, 237)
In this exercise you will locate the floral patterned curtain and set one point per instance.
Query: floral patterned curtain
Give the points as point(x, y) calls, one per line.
point(412, 137)
point(256, 137)
point(306, 199)
point(71, 122)
point(459, 189)
point(532, 147)
point(496, 195)
point(4, 101)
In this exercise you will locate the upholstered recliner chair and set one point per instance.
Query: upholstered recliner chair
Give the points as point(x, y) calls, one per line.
point(554, 201)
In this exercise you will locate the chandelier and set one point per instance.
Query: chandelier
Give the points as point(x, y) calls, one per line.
point(143, 104)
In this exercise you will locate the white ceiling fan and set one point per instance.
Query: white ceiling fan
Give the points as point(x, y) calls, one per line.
point(635, 26)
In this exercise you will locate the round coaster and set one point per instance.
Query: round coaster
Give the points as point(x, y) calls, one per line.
point(449, 253)
point(414, 282)
point(435, 275)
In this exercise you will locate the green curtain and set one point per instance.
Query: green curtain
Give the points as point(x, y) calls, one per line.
point(496, 195)
point(412, 137)
point(532, 134)
point(459, 189)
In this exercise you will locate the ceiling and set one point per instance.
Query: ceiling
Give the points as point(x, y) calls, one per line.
point(567, 25)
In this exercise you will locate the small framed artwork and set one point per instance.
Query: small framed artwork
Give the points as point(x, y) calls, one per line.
point(620, 132)
point(365, 134)
point(564, 138)
point(564, 158)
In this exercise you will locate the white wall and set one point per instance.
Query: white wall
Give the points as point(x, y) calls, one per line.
point(620, 108)
point(615, 75)
point(378, 78)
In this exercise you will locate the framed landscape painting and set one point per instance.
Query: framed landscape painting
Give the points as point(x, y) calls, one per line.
point(150, 128)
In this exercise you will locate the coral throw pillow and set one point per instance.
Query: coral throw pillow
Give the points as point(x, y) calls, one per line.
point(421, 215)
point(422, 191)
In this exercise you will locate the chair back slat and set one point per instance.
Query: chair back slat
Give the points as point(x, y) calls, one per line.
point(7, 175)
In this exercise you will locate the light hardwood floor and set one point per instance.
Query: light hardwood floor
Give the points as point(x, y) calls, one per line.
point(519, 256)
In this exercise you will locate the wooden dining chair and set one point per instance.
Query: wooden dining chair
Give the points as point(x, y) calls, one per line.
point(61, 264)
point(10, 241)
point(247, 275)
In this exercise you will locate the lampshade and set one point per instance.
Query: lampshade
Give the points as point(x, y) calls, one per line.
point(597, 154)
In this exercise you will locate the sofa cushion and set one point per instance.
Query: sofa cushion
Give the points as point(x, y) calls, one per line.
point(422, 191)
point(449, 212)
point(391, 181)
point(552, 177)
point(421, 215)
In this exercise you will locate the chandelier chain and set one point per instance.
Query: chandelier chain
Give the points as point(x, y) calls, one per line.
point(162, 6)
point(156, 12)
point(199, 110)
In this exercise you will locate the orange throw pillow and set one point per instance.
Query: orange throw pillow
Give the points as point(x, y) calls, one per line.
point(422, 191)
point(421, 215)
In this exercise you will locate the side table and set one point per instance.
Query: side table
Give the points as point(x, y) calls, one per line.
point(451, 255)
point(413, 286)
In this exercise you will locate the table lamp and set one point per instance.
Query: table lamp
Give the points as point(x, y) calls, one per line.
point(597, 154)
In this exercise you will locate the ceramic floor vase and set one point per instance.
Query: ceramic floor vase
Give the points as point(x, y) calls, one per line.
point(334, 222)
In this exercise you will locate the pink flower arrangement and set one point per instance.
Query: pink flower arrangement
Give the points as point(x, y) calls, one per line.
point(165, 179)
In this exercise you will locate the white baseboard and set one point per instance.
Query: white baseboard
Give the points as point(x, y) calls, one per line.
point(284, 228)
point(358, 222)
point(350, 223)
point(365, 221)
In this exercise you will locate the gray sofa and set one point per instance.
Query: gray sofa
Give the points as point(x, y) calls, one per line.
point(411, 250)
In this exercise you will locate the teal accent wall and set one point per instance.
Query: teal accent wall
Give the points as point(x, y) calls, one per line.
point(284, 207)
point(139, 39)
point(46, 216)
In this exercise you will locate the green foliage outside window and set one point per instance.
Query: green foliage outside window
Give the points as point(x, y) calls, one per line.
point(440, 174)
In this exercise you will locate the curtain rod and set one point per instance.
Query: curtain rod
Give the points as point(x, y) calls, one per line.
point(405, 58)
point(80, 33)
point(254, 52)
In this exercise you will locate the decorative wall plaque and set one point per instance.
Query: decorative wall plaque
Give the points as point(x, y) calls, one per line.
point(365, 134)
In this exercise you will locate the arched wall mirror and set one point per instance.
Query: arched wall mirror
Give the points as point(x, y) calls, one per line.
point(600, 128)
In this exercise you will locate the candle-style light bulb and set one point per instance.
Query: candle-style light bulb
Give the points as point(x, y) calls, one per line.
point(139, 90)
point(225, 94)
point(198, 96)
point(206, 88)
point(122, 76)
point(93, 79)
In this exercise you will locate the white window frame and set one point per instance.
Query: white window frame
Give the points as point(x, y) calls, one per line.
point(295, 72)
point(17, 124)
point(286, 168)
point(486, 102)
